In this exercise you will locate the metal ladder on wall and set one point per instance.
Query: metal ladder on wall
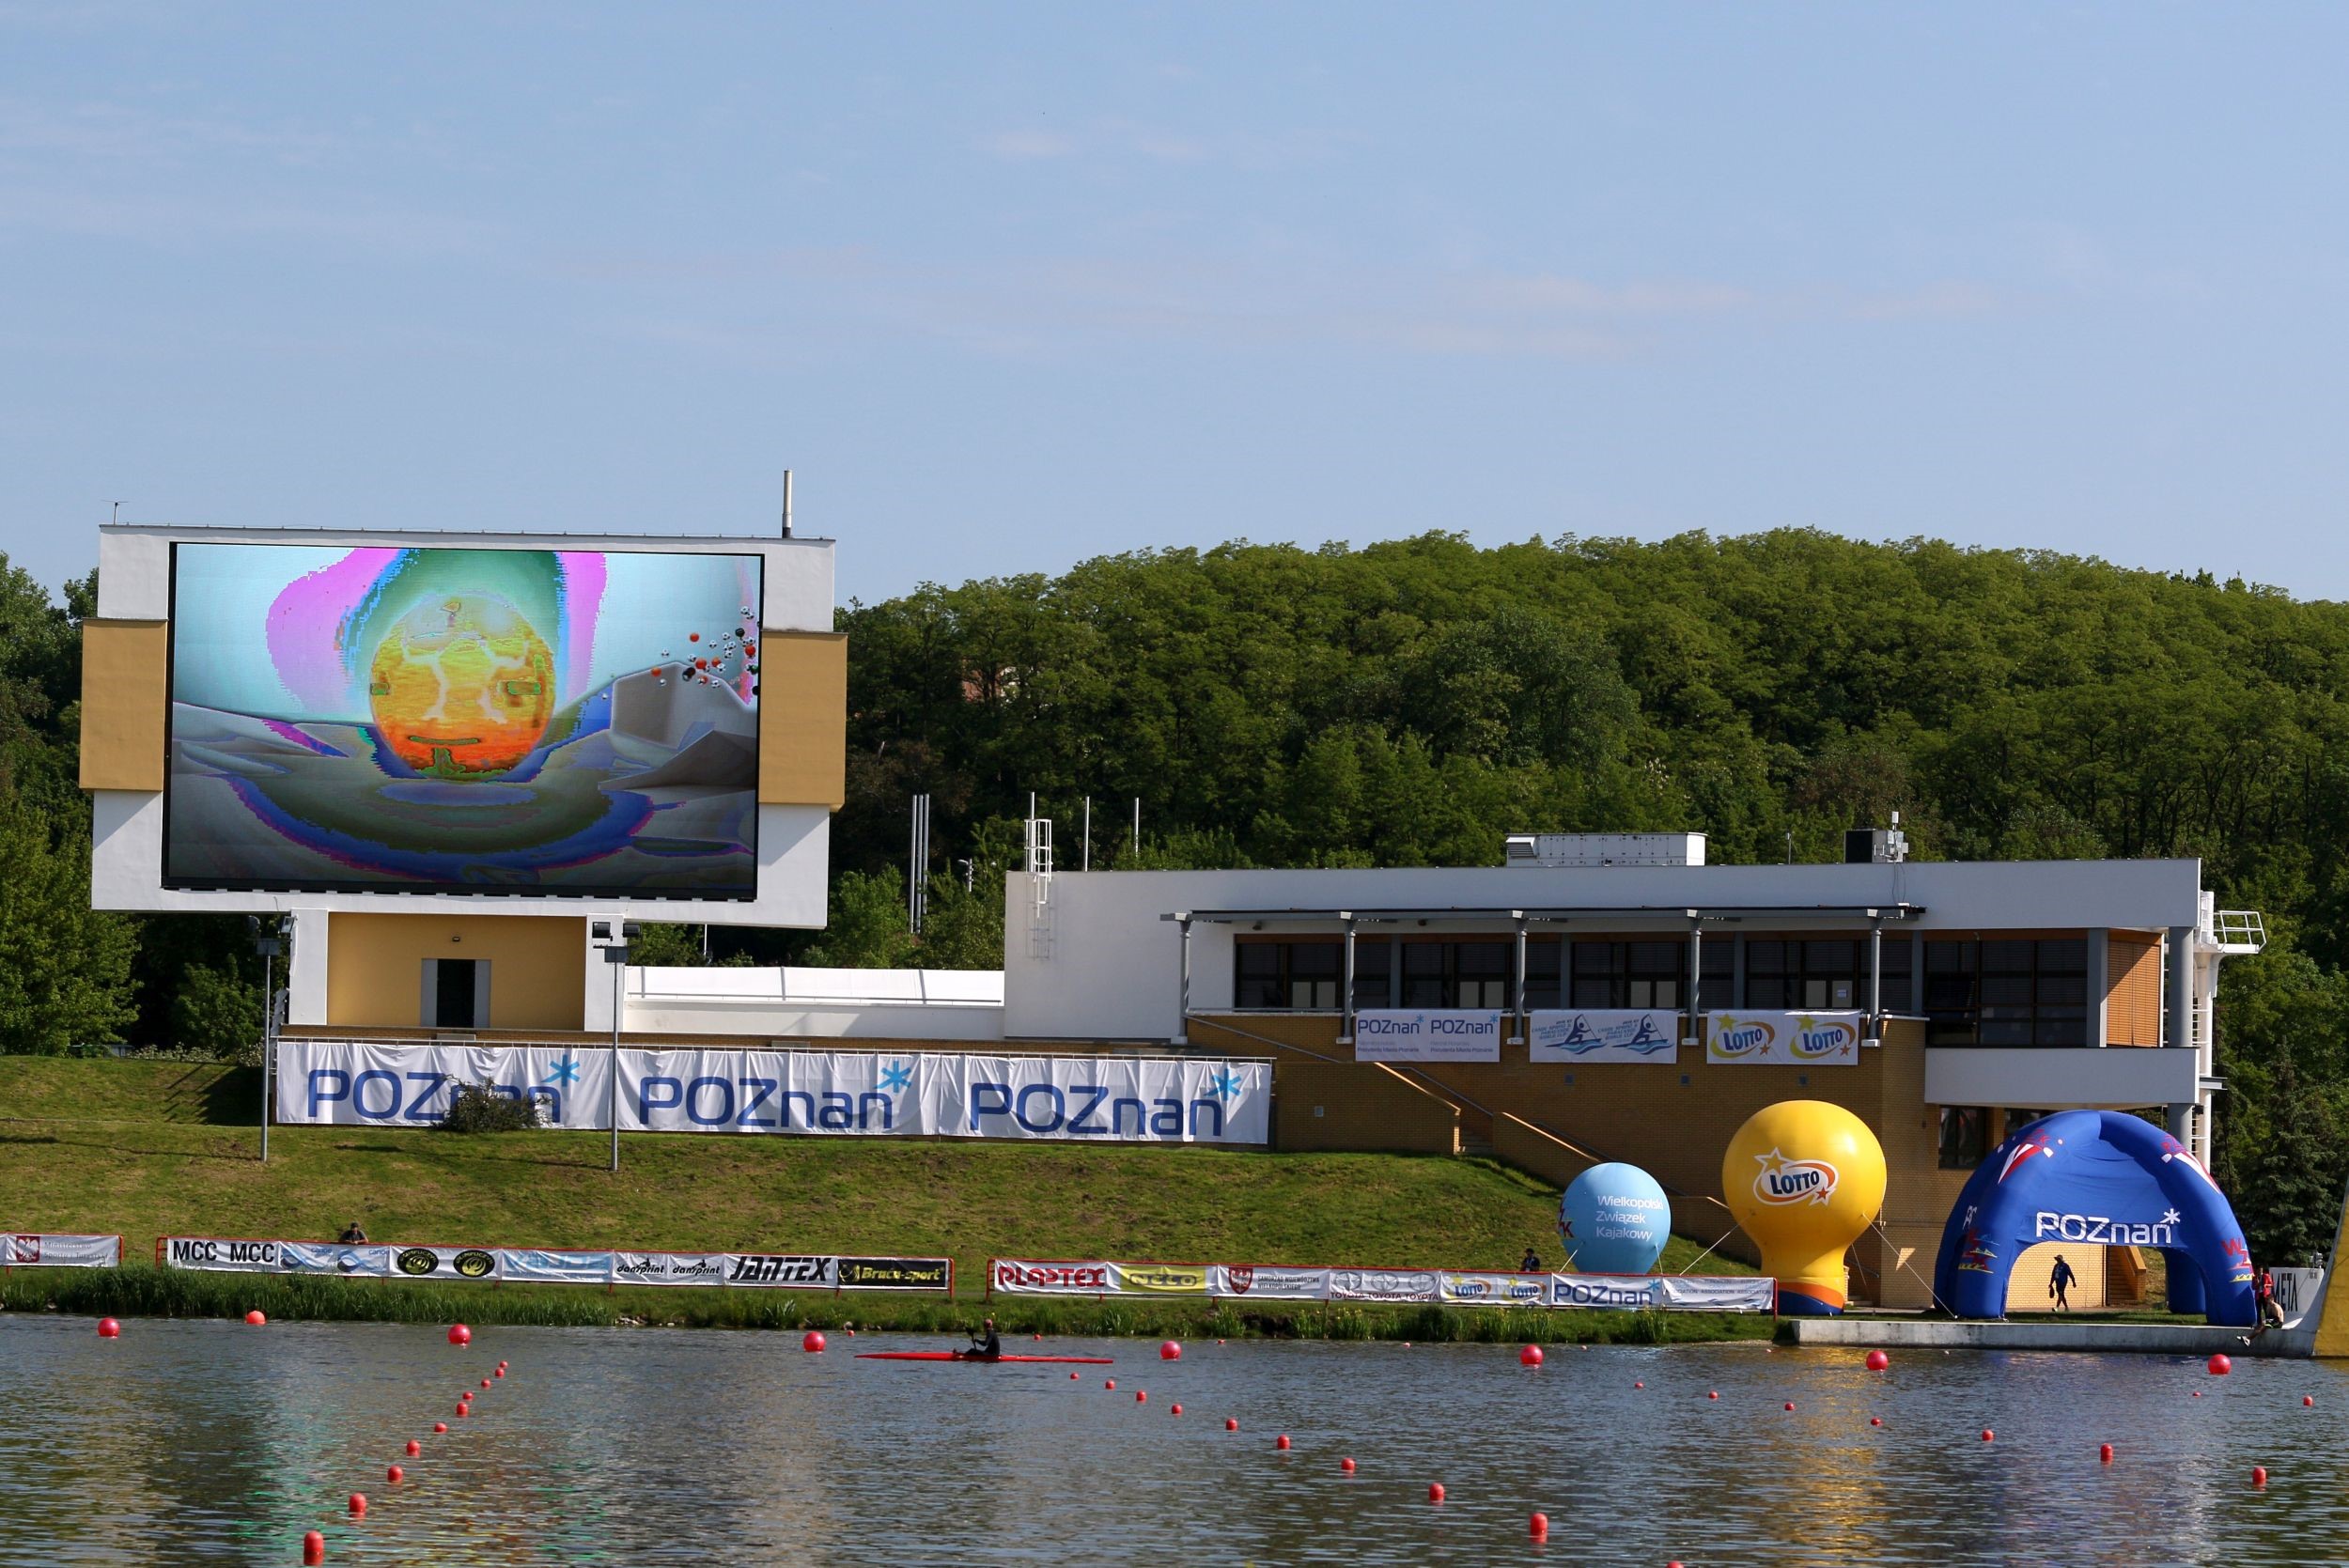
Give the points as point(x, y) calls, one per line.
point(1038, 864)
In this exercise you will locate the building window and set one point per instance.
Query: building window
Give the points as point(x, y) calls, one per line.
point(1299, 976)
point(1630, 973)
point(1824, 975)
point(1541, 974)
point(1964, 1134)
point(2008, 991)
point(1373, 957)
point(1458, 974)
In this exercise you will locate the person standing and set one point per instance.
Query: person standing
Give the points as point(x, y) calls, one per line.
point(1531, 1262)
point(2060, 1283)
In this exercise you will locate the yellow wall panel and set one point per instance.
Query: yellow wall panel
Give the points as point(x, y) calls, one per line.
point(375, 966)
point(124, 703)
point(803, 719)
point(2133, 999)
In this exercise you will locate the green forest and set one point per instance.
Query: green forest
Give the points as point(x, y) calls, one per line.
point(1410, 703)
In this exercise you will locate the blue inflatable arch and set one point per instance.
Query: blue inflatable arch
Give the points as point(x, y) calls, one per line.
point(2095, 1178)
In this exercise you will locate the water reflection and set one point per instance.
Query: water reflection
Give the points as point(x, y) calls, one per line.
point(212, 1443)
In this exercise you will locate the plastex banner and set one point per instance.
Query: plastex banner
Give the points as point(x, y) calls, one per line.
point(558, 1265)
point(50, 1250)
point(1783, 1039)
point(1702, 1292)
point(848, 1093)
point(1427, 1035)
point(1592, 1035)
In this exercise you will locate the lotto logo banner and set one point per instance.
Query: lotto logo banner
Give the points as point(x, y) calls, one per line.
point(49, 1249)
point(370, 1083)
point(1783, 1039)
point(1590, 1034)
point(1428, 1034)
point(1160, 1278)
point(1384, 1284)
point(1495, 1290)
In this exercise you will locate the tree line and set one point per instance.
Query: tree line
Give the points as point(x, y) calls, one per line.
point(1409, 703)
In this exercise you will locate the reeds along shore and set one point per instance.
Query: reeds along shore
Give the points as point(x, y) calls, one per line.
point(143, 1290)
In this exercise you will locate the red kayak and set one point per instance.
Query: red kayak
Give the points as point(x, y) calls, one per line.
point(966, 1356)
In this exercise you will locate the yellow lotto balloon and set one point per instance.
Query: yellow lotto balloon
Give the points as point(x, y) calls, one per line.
point(1804, 1178)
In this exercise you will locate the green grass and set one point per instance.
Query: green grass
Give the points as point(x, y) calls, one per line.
point(150, 1149)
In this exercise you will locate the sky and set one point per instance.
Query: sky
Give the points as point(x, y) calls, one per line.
point(1008, 287)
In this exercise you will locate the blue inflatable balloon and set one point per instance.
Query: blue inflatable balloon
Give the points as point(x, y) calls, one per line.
point(1613, 1219)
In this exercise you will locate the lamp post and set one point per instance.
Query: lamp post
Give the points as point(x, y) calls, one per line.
point(615, 936)
point(267, 943)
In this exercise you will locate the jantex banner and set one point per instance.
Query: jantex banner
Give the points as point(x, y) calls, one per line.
point(1783, 1039)
point(738, 1270)
point(48, 1249)
point(1427, 1035)
point(1281, 1283)
point(1594, 1034)
point(1106, 1099)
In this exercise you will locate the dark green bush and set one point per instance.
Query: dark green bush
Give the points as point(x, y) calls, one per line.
point(479, 1108)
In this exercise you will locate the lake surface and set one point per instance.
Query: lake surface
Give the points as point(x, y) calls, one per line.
point(215, 1443)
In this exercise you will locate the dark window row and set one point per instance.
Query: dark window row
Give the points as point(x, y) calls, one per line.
point(2011, 991)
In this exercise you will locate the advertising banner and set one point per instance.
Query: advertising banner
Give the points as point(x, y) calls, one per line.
point(849, 1093)
point(1462, 1288)
point(540, 1266)
point(1495, 1290)
point(1269, 1284)
point(1783, 1039)
point(1383, 1285)
point(1592, 1034)
point(543, 1265)
point(1427, 1035)
point(48, 1249)
point(376, 1083)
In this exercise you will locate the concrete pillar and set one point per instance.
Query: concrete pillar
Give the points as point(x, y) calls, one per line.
point(2179, 1020)
point(2099, 986)
point(1346, 993)
point(1696, 979)
point(305, 972)
point(1182, 1016)
point(1516, 989)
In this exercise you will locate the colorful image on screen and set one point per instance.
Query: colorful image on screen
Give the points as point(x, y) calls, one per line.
point(517, 722)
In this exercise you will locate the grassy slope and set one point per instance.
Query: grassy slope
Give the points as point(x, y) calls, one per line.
point(152, 1148)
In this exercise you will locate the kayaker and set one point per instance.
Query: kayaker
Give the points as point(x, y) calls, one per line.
point(989, 1347)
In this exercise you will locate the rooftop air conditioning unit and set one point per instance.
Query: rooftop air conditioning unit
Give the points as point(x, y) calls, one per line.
point(1545, 850)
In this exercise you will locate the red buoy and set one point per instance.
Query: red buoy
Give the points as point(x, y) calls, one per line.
point(256, 1318)
point(1878, 1360)
point(1538, 1526)
point(1714, 1395)
point(1987, 1434)
point(466, 1397)
point(414, 1449)
point(1639, 1385)
point(1282, 1441)
point(1530, 1357)
point(439, 1426)
point(1142, 1396)
point(1876, 1420)
point(395, 1475)
point(2104, 1453)
point(2307, 1399)
point(1347, 1465)
point(500, 1372)
point(460, 1334)
point(1176, 1411)
point(812, 1343)
point(2259, 1475)
point(358, 1502)
point(461, 1408)
point(485, 1382)
point(1435, 1491)
point(1170, 1351)
point(313, 1549)
point(109, 1330)
point(1109, 1383)
point(1230, 1426)
point(2219, 1366)
point(1790, 1405)
point(1072, 1377)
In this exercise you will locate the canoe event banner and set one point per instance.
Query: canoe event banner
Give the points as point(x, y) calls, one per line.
point(1685, 1292)
point(1107, 1099)
point(823, 1271)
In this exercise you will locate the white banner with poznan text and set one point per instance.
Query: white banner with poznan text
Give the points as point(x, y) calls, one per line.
point(1783, 1039)
point(49, 1249)
point(1592, 1035)
point(1118, 1099)
point(1427, 1035)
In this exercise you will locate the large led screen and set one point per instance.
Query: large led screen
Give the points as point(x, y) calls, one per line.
point(514, 721)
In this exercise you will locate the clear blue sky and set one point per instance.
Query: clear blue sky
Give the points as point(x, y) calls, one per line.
point(1013, 285)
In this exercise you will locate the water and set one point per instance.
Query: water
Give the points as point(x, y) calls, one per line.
point(215, 1443)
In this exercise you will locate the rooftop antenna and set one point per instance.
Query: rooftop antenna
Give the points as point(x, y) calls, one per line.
point(786, 503)
point(117, 517)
